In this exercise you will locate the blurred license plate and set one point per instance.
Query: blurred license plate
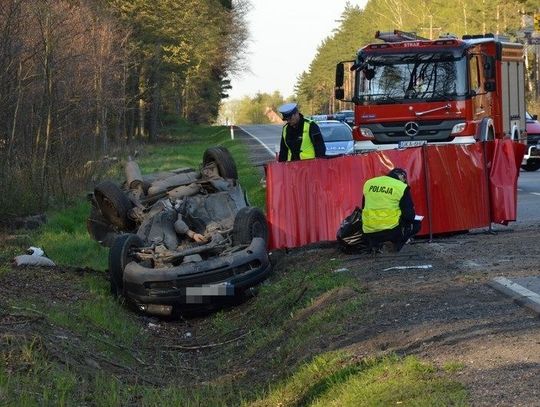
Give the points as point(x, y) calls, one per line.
point(411, 143)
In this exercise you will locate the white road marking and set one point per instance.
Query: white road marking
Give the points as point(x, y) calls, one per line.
point(518, 292)
point(272, 153)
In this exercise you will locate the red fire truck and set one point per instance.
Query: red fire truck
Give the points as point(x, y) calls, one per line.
point(409, 91)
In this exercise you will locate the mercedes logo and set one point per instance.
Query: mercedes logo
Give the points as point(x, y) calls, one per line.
point(411, 129)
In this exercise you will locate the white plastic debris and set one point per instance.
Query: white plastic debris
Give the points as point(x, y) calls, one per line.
point(35, 256)
point(421, 266)
point(32, 260)
point(341, 270)
point(35, 251)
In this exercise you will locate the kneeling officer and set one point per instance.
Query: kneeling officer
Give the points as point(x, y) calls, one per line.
point(388, 210)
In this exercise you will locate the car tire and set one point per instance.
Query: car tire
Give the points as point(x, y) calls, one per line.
point(119, 257)
point(113, 204)
point(223, 159)
point(249, 223)
point(533, 166)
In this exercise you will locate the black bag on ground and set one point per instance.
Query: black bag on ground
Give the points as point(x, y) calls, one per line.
point(350, 235)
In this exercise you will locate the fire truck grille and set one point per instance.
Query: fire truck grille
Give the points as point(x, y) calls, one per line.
point(429, 130)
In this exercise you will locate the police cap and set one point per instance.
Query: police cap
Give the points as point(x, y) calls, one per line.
point(287, 110)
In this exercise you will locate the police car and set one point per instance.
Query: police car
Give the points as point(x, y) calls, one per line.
point(337, 137)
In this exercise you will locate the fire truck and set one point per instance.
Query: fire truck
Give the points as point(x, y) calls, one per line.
point(408, 91)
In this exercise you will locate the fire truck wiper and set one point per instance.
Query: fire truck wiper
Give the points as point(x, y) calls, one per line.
point(446, 106)
point(378, 98)
point(388, 98)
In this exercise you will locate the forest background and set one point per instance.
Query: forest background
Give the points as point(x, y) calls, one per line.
point(83, 80)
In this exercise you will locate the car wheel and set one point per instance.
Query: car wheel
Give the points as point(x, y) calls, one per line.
point(113, 204)
point(532, 166)
point(223, 159)
point(249, 223)
point(120, 255)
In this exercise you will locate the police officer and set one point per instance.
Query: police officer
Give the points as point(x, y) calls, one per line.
point(301, 139)
point(388, 210)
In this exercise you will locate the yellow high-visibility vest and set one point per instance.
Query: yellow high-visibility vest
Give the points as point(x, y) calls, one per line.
point(307, 150)
point(381, 203)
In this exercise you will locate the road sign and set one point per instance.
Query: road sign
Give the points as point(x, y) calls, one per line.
point(536, 21)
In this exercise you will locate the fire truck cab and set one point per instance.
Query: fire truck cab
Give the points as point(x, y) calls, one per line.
point(408, 91)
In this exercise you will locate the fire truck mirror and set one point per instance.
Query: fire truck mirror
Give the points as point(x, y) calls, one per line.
point(339, 75)
point(339, 94)
point(489, 65)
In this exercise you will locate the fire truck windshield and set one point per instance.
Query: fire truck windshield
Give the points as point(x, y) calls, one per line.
point(393, 77)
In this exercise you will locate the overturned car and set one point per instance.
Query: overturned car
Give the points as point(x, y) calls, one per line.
point(181, 240)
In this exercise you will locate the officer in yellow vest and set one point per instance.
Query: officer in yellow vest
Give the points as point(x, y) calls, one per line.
point(301, 139)
point(388, 210)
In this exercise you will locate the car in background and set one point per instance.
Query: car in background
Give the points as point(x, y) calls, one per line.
point(531, 159)
point(346, 116)
point(337, 137)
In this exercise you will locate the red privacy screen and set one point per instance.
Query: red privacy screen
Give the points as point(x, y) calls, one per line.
point(456, 187)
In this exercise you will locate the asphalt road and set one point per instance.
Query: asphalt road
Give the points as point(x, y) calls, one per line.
point(266, 134)
point(528, 197)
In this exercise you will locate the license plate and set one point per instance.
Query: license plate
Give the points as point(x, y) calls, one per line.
point(411, 143)
point(210, 290)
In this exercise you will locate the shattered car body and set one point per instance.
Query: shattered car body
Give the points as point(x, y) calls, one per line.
point(150, 224)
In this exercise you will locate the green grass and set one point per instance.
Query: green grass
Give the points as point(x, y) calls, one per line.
point(298, 307)
point(337, 379)
point(66, 241)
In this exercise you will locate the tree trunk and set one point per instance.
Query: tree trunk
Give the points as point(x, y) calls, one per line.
point(141, 133)
point(47, 68)
point(15, 118)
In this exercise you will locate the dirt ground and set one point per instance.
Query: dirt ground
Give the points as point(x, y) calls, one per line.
point(445, 311)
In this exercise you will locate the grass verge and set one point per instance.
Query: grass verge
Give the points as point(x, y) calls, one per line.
point(338, 379)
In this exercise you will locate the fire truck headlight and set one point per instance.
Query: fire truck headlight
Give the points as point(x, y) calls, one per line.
point(458, 128)
point(365, 132)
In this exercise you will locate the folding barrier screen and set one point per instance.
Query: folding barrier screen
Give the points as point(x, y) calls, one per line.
point(456, 187)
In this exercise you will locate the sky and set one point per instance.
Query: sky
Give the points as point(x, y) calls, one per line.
point(284, 35)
